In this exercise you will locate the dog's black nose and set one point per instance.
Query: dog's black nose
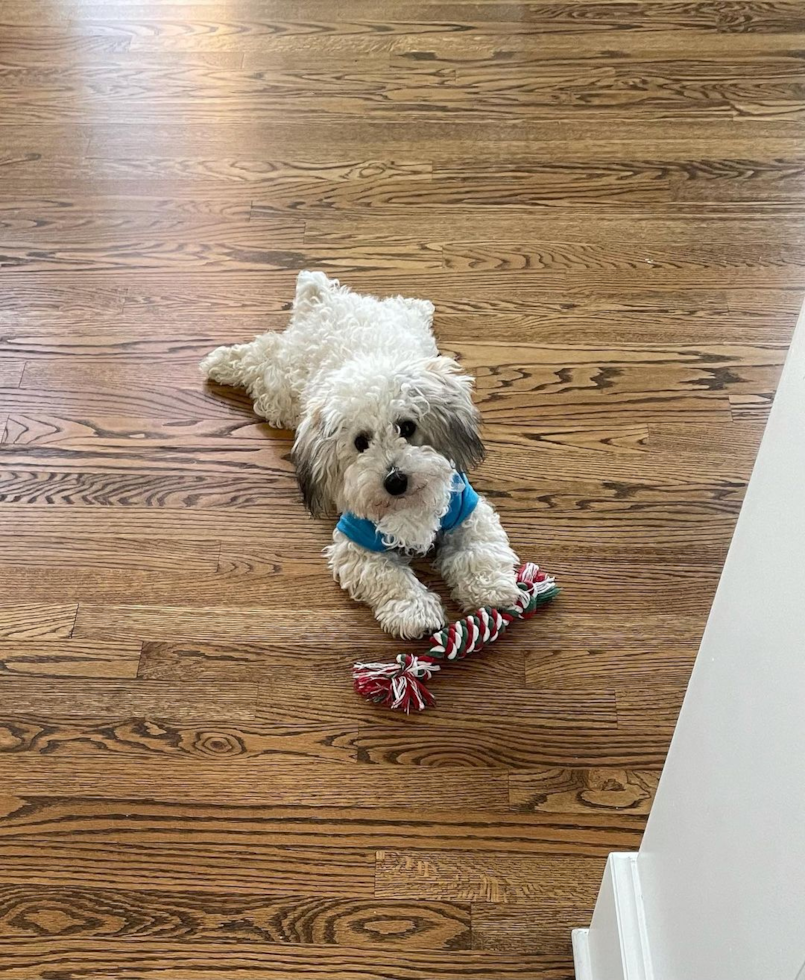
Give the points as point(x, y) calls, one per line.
point(396, 483)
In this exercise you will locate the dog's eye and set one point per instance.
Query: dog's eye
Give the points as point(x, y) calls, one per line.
point(362, 442)
point(407, 428)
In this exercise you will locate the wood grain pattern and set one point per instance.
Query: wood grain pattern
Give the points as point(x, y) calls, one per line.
point(569, 791)
point(752, 408)
point(112, 699)
point(154, 960)
point(11, 373)
point(70, 658)
point(116, 914)
point(604, 201)
point(148, 823)
point(655, 708)
point(519, 926)
point(579, 669)
point(33, 621)
point(257, 869)
point(263, 780)
point(494, 878)
point(512, 747)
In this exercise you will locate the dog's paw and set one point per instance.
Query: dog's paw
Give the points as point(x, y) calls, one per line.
point(477, 591)
point(222, 365)
point(412, 618)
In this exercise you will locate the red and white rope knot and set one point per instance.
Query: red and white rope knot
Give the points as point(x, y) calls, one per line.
point(401, 684)
point(397, 685)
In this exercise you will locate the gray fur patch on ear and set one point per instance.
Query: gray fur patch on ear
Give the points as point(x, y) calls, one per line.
point(314, 460)
point(313, 492)
point(455, 434)
point(464, 443)
point(453, 421)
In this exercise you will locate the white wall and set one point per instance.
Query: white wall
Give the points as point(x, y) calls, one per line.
point(722, 864)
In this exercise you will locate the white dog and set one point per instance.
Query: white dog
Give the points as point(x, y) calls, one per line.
point(385, 430)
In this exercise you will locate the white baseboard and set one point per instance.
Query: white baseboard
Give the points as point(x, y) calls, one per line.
point(581, 954)
point(615, 947)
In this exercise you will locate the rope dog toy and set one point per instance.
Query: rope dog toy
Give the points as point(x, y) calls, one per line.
point(401, 685)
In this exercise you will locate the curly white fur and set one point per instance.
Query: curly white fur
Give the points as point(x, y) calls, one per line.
point(362, 382)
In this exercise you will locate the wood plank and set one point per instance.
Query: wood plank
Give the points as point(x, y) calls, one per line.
point(579, 669)
point(141, 735)
point(107, 913)
point(520, 746)
point(258, 780)
point(64, 46)
point(565, 225)
point(211, 623)
point(36, 620)
point(740, 439)
point(254, 444)
point(147, 825)
point(143, 402)
point(702, 265)
point(223, 257)
point(31, 550)
point(647, 384)
point(602, 47)
point(642, 92)
point(78, 697)
point(33, 297)
point(108, 222)
point(427, 18)
point(70, 658)
point(519, 926)
point(386, 742)
point(751, 408)
point(11, 373)
point(149, 333)
point(36, 483)
point(235, 585)
point(443, 140)
point(257, 870)
point(551, 881)
point(159, 960)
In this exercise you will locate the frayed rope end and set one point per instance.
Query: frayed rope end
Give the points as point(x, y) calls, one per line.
point(399, 685)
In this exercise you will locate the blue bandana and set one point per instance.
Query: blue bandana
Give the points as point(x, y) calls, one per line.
point(364, 532)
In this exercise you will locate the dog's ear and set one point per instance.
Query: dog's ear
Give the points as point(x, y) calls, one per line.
point(453, 422)
point(315, 460)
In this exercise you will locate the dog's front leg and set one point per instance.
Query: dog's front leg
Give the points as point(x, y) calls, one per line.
point(383, 580)
point(477, 562)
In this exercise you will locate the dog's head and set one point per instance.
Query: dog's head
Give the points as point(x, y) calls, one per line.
point(382, 438)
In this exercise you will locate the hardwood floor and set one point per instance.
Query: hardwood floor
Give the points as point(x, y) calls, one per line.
point(605, 201)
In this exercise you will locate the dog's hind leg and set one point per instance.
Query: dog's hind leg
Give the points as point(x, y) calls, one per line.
point(257, 368)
